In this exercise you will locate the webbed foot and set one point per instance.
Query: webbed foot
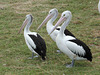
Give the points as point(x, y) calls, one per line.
point(58, 51)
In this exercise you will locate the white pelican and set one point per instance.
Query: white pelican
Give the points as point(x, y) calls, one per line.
point(33, 40)
point(71, 46)
point(53, 13)
point(99, 6)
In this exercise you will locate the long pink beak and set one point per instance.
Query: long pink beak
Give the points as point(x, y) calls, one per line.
point(45, 20)
point(61, 20)
point(24, 23)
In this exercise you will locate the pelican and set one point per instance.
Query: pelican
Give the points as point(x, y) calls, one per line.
point(33, 40)
point(53, 13)
point(99, 6)
point(74, 48)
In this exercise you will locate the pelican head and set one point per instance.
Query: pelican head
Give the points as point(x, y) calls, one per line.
point(52, 12)
point(66, 15)
point(28, 19)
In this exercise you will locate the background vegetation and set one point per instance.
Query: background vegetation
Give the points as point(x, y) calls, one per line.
point(85, 25)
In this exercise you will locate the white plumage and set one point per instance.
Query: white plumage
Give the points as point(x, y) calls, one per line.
point(30, 41)
point(33, 40)
point(53, 13)
point(76, 48)
point(71, 46)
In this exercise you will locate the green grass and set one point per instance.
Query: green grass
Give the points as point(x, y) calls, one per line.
point(85, 24)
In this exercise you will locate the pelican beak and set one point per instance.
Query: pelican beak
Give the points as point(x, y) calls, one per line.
point(24, 23)
point(61, 20)
point(45, 20)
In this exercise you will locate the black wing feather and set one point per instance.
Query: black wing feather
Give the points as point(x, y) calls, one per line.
point(66, 32)
point(88, 54)
point(40, 45)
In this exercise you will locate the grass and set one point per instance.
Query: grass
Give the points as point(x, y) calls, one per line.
point(85, 24)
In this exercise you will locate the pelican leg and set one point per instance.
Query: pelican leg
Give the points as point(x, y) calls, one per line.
point(36, 56)
point(33, 56)
point(71, 65)
point(58, 51)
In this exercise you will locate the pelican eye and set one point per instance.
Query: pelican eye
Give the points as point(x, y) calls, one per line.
point(64, 15)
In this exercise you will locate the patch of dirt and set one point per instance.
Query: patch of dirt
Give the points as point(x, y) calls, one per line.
point(98, 57)
point(3, 5)
point(1, 56)
point(77, 22)
point(96, 33)
point(24, 7)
